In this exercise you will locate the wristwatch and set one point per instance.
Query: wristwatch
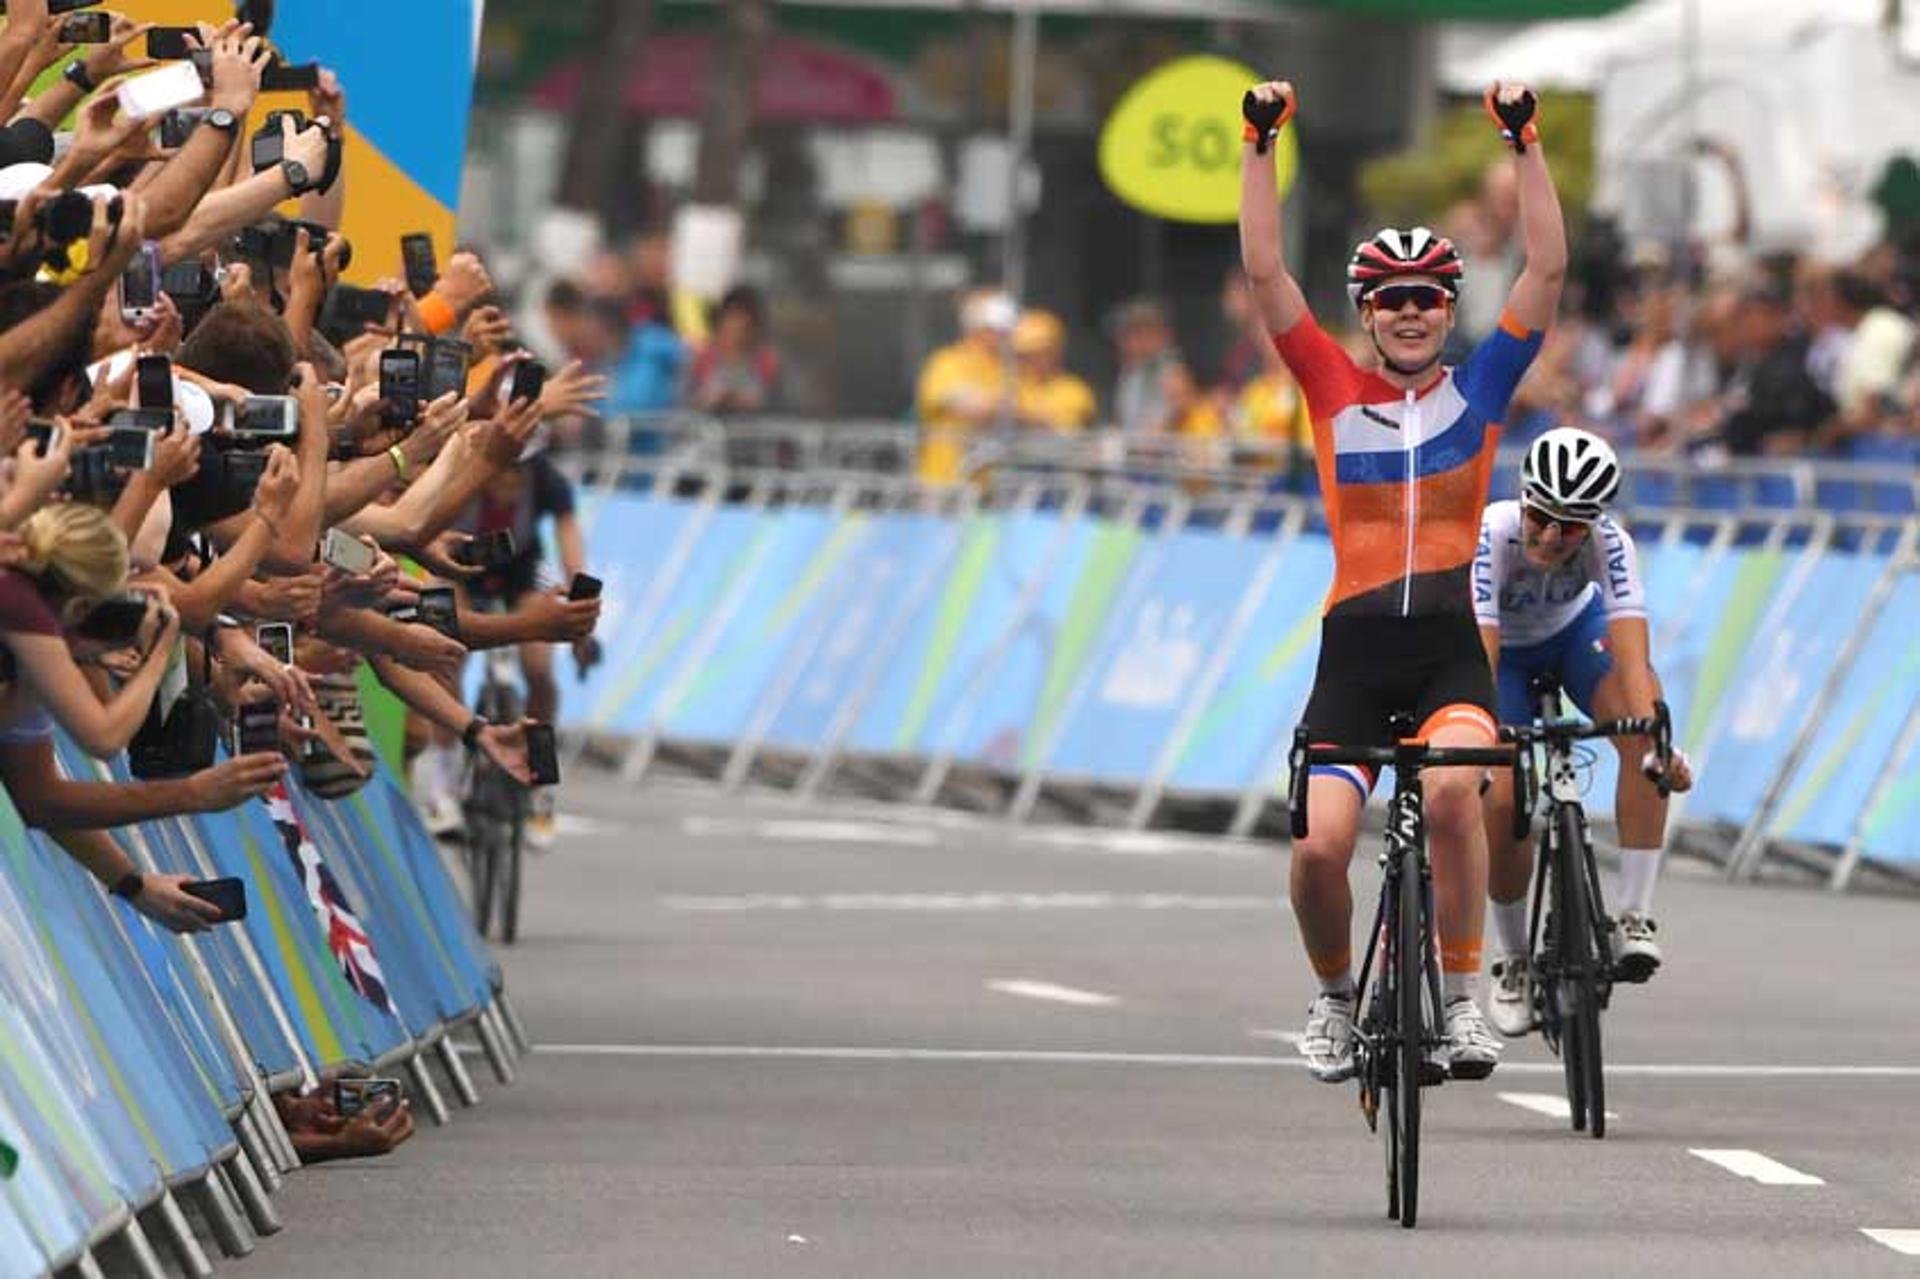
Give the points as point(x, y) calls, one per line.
point(129, 885)
point(224, 120)
point(470, 735)
point(78, 76)
point(296, 176)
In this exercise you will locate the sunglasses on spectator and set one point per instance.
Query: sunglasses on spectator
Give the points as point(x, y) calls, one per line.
point(1392, 297)
point(1542, 520)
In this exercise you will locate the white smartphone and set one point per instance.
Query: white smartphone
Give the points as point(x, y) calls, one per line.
point(344, 551)
point(159, 91)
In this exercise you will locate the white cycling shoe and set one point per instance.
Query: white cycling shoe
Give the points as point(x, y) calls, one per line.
point(1636, 955)
point(1472, 1051)
point(1510, 1003)
point(1328, 1042)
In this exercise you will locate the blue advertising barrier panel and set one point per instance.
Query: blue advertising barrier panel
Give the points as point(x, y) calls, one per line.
point(723, 674)
point(1784, 669)
point(886, 583)
point(1002, 562)
point(1267, 678)
point(639, 548)
point(1155, 652)
point(1858, 729)
point(1890, 829)
point(1031, 666)
point(728, 552)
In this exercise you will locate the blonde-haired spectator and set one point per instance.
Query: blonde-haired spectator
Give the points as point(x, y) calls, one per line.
point(963, 386)
point(1046, 394)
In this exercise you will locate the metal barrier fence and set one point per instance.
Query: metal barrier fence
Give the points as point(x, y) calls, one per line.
point(137, 1067)
point(1885, 482)
point(1090, 640)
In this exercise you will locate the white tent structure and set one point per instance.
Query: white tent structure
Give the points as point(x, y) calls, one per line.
point(1813, 95)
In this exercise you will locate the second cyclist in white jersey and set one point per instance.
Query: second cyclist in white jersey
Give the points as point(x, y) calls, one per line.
point(1556, 588)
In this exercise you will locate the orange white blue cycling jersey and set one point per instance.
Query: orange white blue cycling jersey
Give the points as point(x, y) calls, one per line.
point(1404, 473)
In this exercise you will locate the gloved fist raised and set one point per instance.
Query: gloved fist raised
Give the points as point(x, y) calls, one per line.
point(1514, 108)
point(1266, 109)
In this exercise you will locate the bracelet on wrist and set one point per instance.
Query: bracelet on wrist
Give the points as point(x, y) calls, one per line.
point(129, 886)
point(470, 735)
point(399, 459)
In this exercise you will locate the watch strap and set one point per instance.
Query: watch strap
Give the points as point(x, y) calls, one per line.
point(129, 885)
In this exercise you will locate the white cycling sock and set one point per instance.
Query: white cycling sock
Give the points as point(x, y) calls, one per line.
point(1340, 984)
point(1509, 926)
point(1633, 886)
point(1458, 986)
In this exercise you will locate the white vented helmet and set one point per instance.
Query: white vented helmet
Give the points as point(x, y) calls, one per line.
point(1570, 473)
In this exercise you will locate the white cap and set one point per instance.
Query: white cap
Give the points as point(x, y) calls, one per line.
point(994, 311)
point(16, 180)
point(195, 405)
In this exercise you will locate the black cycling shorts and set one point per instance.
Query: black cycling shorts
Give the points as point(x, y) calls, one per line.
point(1372, 668)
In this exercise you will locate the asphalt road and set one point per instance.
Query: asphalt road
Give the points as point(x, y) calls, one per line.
point(850, 1041)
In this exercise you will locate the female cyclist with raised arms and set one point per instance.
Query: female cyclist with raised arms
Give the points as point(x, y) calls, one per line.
point(1556, 588)
point(1404, 453)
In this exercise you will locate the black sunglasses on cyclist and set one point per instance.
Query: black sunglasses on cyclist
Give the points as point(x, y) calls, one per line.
point(1392, 297)
point(1541, 520)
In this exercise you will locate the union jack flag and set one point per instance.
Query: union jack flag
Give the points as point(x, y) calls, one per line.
point(352, 948)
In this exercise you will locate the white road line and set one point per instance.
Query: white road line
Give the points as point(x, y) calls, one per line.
point(1906, 1242)
point(797, 1052)
point(1292, 1038)
point(571, 824)
point(812, 832)
point(1755, 1166)
point(1058, 994)
point(1552, 1105)
point(1140, 843)
point(981, 902)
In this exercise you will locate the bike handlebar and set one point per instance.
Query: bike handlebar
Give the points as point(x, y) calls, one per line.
point(1407, 755)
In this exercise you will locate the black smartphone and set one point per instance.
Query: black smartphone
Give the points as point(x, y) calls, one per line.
point(169, 44)
point(146, 419)
point(352, 1096)
point(41, 432)
point(543, 758)
point(487, 550)
point(229, 895)
point(354, 308)
point(190, 281)
point(243, 470)
point(130, 447)
point(153, 383)
point(256, 727)
point(140, 286)
point(399, 387)
point(269, 147)
point(92, 477)
point(584, 587)
point(267, 417)
point(282, 76)
point(446, 368)
point(177, 125)
point(86, 28)
point(276, 640)
point(526, 380)
point(438, 610)
point(60, 6)
point(422, 267)
point(114, 621)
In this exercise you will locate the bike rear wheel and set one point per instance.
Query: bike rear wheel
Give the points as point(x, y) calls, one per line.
point(483, 860)
point(1409, 1056)
point(510, 882)
point(1580, 1053)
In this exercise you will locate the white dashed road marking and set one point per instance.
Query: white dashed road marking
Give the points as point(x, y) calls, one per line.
point(1755, 1166)
point(1552, 1105)
point(972, 902)
point(1058, 994)
point(1906, 1242)
point(812, 832)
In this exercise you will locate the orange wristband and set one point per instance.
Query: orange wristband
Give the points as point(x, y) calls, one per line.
point(437, 314)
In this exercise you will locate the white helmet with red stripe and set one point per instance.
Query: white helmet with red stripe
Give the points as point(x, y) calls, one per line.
point(1393, 253)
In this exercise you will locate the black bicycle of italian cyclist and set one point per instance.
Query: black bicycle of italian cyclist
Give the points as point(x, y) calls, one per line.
point(1400, 1029)
point(496, 807)
point(1569, 934)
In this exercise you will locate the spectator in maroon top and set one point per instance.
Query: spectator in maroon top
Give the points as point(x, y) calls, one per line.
point(739, 370)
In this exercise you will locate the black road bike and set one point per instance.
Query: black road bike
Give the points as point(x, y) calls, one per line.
point(1400, 1029)
point(496, 807)
point(1570, 937)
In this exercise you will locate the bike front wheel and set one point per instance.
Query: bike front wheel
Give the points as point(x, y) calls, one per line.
point(1409, 1057)
point(1579, 970)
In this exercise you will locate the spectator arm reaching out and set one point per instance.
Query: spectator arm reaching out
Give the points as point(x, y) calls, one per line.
point(160, 899)
point(101, 728)
point(27, 23)
point(49, 800)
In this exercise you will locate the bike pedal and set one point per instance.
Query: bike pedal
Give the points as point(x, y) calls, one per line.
point(1432, 1074)
point(1635, 970)
point(1471, 1070)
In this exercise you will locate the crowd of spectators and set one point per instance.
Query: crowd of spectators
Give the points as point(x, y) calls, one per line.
point(217, 455)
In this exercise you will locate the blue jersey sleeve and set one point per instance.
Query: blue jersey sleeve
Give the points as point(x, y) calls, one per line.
point(1495, 367)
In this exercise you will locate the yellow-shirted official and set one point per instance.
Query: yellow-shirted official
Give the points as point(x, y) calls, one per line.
point(963, 386)
point(1046, 395)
